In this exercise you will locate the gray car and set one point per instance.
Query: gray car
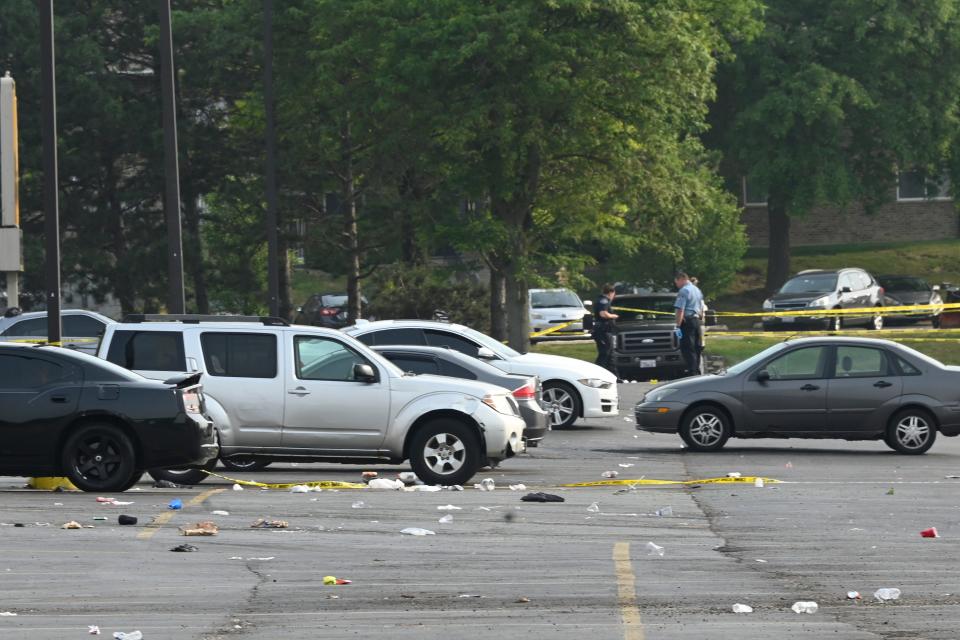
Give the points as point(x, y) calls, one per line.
point(440, 361)
point(849, 388)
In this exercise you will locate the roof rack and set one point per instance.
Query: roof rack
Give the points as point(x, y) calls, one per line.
point(197, 319)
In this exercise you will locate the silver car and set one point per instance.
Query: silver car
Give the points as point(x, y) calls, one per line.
point(81, 329)
point(555, 307)
point(848, 388)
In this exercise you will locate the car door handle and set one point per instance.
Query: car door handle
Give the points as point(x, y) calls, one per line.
point(299, 391)
point(809, 387)
point(882, 384)
point(59, 399)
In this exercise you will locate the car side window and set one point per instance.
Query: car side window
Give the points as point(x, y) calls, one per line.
point(861, 362)
point(906, 368)
point(32, 328)
point(452, 341)
point(414, 364)
point(319, 358)
point(408, 336)
point(21, 374)
point(799, 364)
point(240, 355)
point(455, 371)
point(148, 350)
point(82, 327)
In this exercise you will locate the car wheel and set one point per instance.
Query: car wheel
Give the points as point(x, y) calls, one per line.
point(705, 429)
point(245, 464)
point(935, 322)
point(445, 452)
point(835, 323)
point(184, 475)
point(911, 431)
point(134, 479)
point(562, 403)
point(876, 323)
point(99, 457)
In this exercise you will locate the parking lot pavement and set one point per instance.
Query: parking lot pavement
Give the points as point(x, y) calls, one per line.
point(831, 527)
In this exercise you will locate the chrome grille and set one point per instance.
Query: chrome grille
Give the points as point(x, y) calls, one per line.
point(646, 341)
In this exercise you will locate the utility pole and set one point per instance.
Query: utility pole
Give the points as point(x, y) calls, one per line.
point(176, 299)
point(11, 256)
point(270, 177)
point(51, 181)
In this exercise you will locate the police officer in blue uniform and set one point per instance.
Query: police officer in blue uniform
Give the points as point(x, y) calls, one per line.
point(603, 324)
point(689, 305)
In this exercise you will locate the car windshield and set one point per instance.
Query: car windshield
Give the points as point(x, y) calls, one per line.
point(819, 283)
point(334, 301)
point(745, 365)
point(898, 283)
point(498, 348)
point(554, 298)
point(642, 308)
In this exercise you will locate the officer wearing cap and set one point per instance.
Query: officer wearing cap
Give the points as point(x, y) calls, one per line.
point(603, 323)
point(689, 304)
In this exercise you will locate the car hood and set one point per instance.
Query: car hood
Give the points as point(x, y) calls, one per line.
point(427, 383)
point(548, 366)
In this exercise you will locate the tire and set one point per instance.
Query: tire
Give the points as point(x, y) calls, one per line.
point(835, 323)
point(876, 323)
point(935, 322)
point(134, 479)
point(562, 403)
point(705, 428)
point(911, 432)
point(99, 457)
point(245, 464)
point(445, 452)
point(184, 475)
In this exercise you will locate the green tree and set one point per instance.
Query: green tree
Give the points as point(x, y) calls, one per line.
point(831, 98)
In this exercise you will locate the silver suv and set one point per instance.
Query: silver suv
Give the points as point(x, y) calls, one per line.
point(819, 289)
point(294, 393)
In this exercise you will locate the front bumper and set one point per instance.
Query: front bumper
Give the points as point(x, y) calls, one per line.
point(659, 417)
point(503, 434)
point(576, 326)
point(599, 403)
point(647, 362)
point(796, 322)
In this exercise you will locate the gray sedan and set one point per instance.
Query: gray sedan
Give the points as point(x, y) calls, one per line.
point(849, 388)
point(440, 361)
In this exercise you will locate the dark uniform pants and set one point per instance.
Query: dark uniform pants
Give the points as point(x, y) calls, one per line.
point(690, 344)
point(604, 339)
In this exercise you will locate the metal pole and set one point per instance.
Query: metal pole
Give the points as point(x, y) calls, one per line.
point(176, 299)
point(11, 251)
point(273, 264)
point(51, 206)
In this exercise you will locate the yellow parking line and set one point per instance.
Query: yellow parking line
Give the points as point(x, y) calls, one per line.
point(165, 517)
point(626, 593)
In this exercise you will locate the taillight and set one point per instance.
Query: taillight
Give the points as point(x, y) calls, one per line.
point(526, 392)
point(192, 401)
point(329, 311)
point(882, 291)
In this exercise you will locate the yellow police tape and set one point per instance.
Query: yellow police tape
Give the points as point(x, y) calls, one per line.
point(559, 327)
point(54, 344)
point(935, 309)
point(322, 484)
point(909, 335)
point(649, 481)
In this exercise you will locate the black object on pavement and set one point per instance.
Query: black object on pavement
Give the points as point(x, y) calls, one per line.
point(124, 519)
point(185, 548)
point(539, 496)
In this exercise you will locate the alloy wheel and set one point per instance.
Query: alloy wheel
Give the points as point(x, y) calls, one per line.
point(444, 453)
point(912, 432)
point(98, 457)
point(706, 429)
point(559, 404)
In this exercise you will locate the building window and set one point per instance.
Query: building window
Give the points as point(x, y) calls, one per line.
point(916, 185)
point(751, 196)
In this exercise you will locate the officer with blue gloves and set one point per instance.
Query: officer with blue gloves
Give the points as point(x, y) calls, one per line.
point(688, 305)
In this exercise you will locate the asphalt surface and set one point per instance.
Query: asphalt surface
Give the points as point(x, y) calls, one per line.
point(504, 567)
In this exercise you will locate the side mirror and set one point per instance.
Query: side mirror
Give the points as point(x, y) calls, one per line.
point(845, 290)
point(364, 373)
point(485, 353)
point(763, 376)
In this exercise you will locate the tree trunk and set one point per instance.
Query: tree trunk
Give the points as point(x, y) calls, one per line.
point(518, 315)
point(194, 253)
point(122, 274)
point(498, 302)
point(283, 257)
point(351, 240)
point(778, 252)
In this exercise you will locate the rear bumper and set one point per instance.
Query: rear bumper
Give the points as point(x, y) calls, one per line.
point(537, 422)
point(948, 417)
point(190, 441)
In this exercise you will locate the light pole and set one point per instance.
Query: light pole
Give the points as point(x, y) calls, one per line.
point(270, 177)
point(51, 204)
point(176, 299)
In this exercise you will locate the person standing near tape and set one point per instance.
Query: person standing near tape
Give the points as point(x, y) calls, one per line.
point(688, 305)
point(604, 320)
point(702, 339)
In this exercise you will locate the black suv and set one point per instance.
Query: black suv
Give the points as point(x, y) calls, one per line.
point(644, 342)
point(823, 289)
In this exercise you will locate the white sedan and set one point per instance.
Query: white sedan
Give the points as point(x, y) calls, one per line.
point(572, 388)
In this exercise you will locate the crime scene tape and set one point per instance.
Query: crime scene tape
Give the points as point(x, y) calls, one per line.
point(650, 481)
point(323, 484)
point(45, 341)
point(559, 327)
point(901, 309)
point(907, 335)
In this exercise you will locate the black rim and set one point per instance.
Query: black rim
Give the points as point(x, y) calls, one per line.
point(98, 458)
point(241, 463)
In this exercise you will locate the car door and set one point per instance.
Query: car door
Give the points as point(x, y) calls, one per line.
point(326, 408)
point(38, 397)
point(244, 376)
point(863, 390)
point(793, 401)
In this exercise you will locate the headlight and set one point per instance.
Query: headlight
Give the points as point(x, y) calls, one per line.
point(820, 302)
point(536, 316)
point(657, 395)
point(499, 403)
point(595, 383)
point(768, 305)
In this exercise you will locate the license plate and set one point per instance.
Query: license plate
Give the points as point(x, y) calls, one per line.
point(648, 364)
point(787, 319)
